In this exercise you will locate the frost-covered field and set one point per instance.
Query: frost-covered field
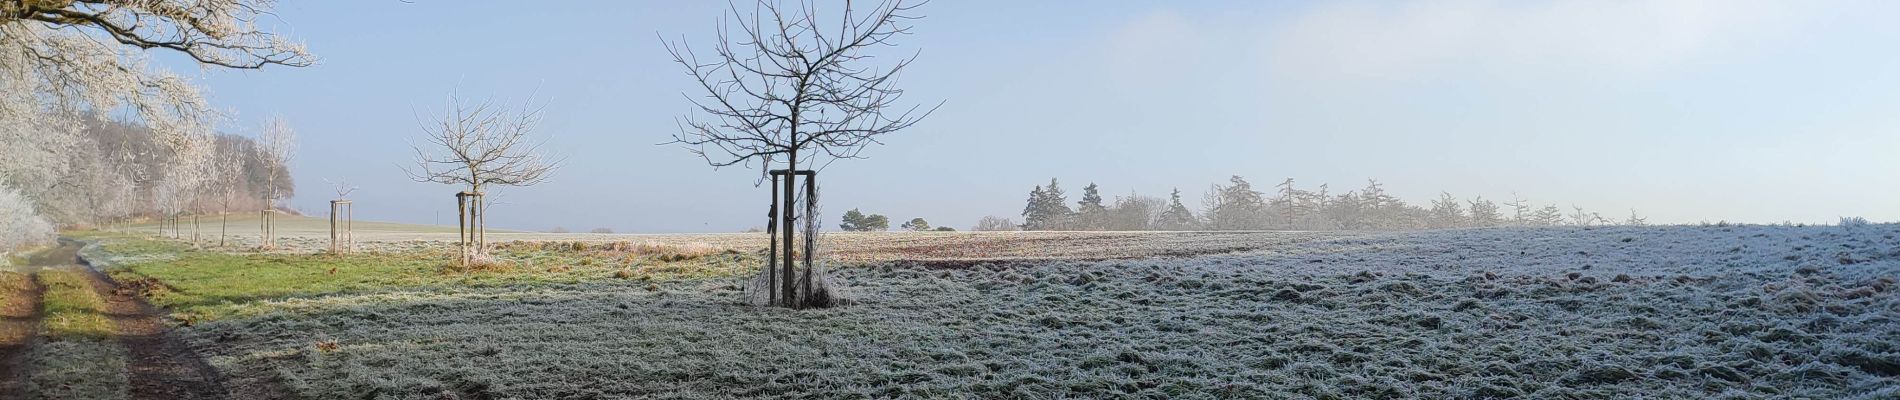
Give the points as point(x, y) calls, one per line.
point(1655, 312)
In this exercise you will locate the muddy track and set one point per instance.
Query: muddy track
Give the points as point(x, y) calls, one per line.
point(19, 331)
point(159, 364)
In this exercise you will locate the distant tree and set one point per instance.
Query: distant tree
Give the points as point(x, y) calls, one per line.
point(994, 224)
point(1135, 213)
point(1287, 203)
point(1176, 217)
point(279, 144)
point(876, 223)
point(1520, 211)
point(853, 221)
point(1548, 216)
point(916, 225)
point(1234, 207)
point(1484, 213)
point(1447, 212)
point(558, 229)
point(944, 229)
point(1048, 209)
point(601, 230)
point(857, 221)
point(1635, 220)
point(1381, 211)
point(1091, 214)
point(478, 145)
point(1346, 212)
point(1579, 217)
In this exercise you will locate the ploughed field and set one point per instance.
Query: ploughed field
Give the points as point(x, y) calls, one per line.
point(1613, 312)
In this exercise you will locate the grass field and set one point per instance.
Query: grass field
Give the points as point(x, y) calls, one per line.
point(1663, 312)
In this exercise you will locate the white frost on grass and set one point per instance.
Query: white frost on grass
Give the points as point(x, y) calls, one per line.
point(77, 369)
point(1659, 312)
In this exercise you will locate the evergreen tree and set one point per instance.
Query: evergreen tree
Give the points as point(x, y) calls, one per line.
point(1447, 213)
point(1033, 217)
point(1091, 215)
point(1048, 209)
point(1485, 213)
point(856, 221)
point(1176, 217)
point(1548, 216)
point(1520, 211)
point(1347, 212)
point(1235, 207)
point(916, 225)
point(852, 221)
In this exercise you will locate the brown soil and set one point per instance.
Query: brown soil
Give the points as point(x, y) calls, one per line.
point(160, 365)
point(19, 331)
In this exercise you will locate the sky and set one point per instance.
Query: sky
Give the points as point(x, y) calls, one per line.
point(1684, 111)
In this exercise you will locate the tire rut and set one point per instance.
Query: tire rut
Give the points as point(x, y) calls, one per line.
point(159, 364)
point(19, 331)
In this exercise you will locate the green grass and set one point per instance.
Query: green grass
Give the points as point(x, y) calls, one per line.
point(73, 310)
point(203, 284)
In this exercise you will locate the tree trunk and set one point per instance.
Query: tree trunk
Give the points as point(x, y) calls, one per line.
point(224, 224)
point(790, 258)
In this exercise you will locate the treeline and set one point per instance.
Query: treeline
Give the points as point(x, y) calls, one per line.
point(113, 171)
point(1237, 205)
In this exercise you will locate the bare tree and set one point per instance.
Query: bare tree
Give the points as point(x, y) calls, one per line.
point(477, 145)
point(277, 148)
point(791, 82)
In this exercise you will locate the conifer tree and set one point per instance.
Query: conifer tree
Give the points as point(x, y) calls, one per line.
point(1091, 214)
point(1176, 217)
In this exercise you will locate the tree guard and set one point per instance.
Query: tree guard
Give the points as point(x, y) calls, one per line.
point(342, 226)
point(782, 283)
point(468, 217)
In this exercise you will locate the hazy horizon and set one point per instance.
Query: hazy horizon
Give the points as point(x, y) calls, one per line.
point(1684, 111)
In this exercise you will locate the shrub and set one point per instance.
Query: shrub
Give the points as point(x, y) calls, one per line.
point(1850, 222)
point(20, 225)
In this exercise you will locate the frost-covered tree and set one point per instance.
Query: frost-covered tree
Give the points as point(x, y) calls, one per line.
point(797, 85)
point(1447, 212)
point(1177, 217)
point(63, 61)
point(1485, 213)
point(1548, 216)
point(1287, 205)
point(1579, 217)
point(916, 225)
point(21, 225)
point(1135, 212)
point(479, 145)
point(1520, 211)
point(1235, 206)
point(993, 223)
point(278, 146)
point(1635, 220)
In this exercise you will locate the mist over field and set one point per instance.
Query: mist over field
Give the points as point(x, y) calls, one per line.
point(248, 199)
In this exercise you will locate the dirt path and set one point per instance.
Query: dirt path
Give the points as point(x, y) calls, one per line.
point(19, 331)
point(159, 364)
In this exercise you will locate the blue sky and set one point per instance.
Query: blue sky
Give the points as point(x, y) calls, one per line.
point(1685, 111)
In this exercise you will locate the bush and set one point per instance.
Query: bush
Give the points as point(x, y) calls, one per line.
point(1849, 222)
point(20, 224)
